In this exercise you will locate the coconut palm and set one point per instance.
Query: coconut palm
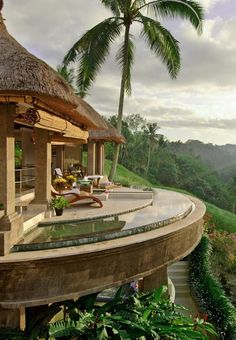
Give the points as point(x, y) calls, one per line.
point(67, 74)
point(153, 137)
point(93, 47)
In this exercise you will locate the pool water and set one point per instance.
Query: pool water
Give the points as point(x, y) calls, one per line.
point(59, 234)
point(73, 233)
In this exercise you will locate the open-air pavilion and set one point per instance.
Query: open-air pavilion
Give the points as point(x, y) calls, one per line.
point(37, 107)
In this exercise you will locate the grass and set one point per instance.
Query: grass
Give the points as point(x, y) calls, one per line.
point(127, 177)
point(223, 219)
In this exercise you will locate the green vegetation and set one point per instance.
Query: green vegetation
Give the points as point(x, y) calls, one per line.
point(133, 316)
point(160, 165)
point(222, 219)
point(59, 202)
point(129, 315)
point(127, 177)
point(209, 293)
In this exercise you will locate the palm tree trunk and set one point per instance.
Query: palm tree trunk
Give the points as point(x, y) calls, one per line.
point(121, 105)
point(148, 159)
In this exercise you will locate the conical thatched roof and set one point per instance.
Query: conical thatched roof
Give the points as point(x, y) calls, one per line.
point(24, 75)
point(110, 134)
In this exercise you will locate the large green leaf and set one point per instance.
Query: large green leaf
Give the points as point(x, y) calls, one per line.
point(91, 50)
point(162, 43)
point(186, 9)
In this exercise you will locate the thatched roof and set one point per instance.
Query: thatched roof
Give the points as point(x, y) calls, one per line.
point(24, 75)
point(110, 134)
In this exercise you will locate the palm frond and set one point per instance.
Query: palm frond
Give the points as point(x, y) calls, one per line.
point(112, 5)
point(92, 50)
point(121, 58)
point(186, 9)
point(162, 43)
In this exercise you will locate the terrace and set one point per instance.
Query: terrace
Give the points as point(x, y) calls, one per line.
point(156, 233)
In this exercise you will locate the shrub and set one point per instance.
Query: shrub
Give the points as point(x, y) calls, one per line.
point(208, 292)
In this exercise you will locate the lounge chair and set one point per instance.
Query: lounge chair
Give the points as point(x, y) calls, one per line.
point(74, 197)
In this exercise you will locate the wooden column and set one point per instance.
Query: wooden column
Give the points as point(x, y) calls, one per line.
point(13, 318)
point(100, 158)
point(7, 158)
point(91, 158)
point(43, 158)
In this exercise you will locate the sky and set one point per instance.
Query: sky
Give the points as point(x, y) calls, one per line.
point(199, 104)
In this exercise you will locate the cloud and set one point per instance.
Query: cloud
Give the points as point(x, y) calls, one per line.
point(203, 96)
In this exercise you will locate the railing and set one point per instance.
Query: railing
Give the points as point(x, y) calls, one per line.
point(24, 179)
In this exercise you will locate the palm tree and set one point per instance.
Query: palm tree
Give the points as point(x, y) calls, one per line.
point(94, 46)
point(153, 138)
point(67, 74)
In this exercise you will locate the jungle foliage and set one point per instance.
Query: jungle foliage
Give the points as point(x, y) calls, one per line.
point(151, 155)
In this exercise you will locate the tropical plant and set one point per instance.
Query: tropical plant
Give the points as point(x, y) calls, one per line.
point(59, 202)
point(143, 315)
point(94, 46)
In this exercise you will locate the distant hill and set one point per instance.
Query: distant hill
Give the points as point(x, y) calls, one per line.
point(222, 158)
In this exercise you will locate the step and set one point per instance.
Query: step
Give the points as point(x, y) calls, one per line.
point(32, 221)
point(179, 280)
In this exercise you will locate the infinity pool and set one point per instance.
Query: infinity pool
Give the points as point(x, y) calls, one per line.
point(74, 233)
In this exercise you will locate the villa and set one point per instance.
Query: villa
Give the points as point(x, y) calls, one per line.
point(39, 110)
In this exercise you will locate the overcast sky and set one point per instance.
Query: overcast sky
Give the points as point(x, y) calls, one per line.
point(200, 104)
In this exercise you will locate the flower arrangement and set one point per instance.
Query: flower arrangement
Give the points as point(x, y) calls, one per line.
point(70, 179)
point(59, 183)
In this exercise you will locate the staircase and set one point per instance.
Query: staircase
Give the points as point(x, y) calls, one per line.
point(178, 273)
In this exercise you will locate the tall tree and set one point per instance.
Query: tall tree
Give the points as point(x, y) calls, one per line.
point(153, 136)
point(94, 46)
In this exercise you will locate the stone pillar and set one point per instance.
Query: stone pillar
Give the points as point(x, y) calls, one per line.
point(11, 225)
point(7, 158)
point(91, 158)
point(100, 158)
point(155, 280)
point(43, 157)
point(13, 318)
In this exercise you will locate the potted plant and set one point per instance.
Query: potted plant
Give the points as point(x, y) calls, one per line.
point(58, 203)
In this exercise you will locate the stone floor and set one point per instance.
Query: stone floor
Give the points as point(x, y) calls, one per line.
point(168, 205)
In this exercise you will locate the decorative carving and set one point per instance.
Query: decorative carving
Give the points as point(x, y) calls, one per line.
point(29, 117)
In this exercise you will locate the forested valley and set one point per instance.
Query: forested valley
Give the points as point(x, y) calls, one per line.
point(205, 170)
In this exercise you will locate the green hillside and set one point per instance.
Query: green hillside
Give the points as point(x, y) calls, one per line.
point(221, 218)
